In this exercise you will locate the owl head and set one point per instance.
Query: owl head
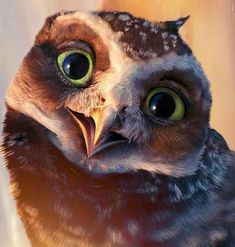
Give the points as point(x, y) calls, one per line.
point(116, 93)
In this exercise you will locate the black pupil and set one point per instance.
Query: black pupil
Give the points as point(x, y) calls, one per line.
point(76, 66)
point(162, 105)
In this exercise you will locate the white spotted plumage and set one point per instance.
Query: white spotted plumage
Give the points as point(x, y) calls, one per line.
point(92, 164)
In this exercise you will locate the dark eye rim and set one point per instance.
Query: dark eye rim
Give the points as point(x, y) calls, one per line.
point(64, 78)
point(161, 121)
point(158, 122)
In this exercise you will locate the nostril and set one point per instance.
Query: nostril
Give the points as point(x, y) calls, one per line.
point(123, 109)
point(114, 136)
point(117, 124)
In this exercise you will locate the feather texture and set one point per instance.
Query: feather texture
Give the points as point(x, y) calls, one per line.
point(151, 181)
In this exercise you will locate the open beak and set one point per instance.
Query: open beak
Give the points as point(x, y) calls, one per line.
point(99, 130)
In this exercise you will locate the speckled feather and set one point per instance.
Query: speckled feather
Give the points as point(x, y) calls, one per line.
point(170, 185)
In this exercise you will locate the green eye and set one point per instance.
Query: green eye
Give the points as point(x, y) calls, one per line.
point(165, 103)
point(77, 66)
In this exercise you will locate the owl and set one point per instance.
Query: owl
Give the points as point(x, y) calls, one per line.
point(107, 139)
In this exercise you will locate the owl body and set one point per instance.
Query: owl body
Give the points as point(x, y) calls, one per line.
point(107, 138)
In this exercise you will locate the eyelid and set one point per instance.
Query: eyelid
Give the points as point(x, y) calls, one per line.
point(168, 84)
point(173, 85)
point(75, 44)
point(169, 79)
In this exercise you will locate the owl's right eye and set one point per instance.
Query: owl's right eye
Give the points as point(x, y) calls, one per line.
point(164, 103)
point(76, 66)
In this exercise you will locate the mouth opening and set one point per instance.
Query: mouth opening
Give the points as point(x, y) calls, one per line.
point(88, 128)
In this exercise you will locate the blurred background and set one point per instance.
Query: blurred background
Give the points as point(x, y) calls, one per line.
point(210, 32)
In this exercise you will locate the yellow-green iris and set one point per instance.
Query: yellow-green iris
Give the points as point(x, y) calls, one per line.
point(165, 103)
point(77, 66)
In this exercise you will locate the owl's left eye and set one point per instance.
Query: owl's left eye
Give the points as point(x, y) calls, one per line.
point(164, 103)
point(77, 66)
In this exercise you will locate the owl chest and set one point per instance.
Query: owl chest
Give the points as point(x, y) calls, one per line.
point(61, 209)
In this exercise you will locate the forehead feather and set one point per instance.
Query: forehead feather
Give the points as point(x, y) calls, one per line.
point(144, 39)
point(138, 38)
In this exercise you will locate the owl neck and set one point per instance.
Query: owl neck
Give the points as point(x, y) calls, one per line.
point(49, 187)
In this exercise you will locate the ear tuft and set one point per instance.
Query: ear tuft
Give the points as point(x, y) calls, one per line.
point(44, 33)
point(174, 26)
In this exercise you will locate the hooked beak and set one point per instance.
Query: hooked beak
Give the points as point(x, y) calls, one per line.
point(99, 130)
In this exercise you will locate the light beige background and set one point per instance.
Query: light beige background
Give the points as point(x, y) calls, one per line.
point(210, 32)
